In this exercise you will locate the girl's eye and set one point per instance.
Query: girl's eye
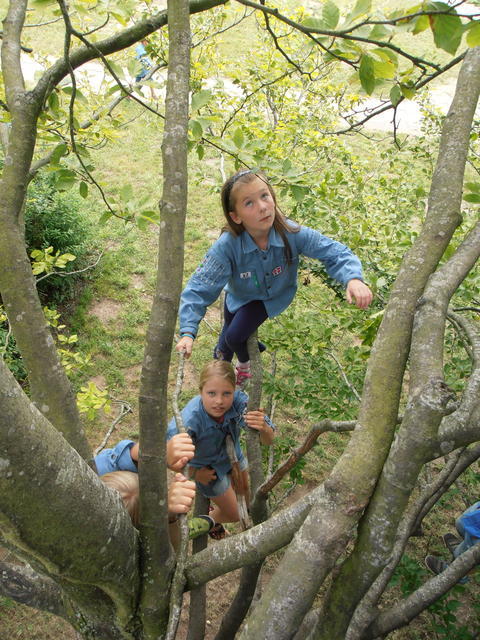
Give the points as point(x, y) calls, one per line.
point(266, 194)
point(211, 393)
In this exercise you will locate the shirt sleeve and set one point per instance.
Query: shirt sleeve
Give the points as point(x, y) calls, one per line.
point(203, 288)
point(340, 262)
point(116, 459)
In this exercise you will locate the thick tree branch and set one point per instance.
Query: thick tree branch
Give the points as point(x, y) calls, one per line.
point(53, 508)
point(22, 584)
point(351, 481)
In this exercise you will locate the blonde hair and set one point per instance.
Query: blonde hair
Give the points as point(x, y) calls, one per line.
point(220, 368)
point(126, 483)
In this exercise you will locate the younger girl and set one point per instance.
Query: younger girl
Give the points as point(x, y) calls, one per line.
point(257, 259)
point(219, 411)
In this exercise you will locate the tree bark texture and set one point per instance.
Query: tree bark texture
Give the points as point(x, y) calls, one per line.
point(322, 537)
point(55, 512)
point(52, 393)
point(157, 557)
point(428, 395)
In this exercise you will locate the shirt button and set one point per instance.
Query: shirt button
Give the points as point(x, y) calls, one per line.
point(264, 257)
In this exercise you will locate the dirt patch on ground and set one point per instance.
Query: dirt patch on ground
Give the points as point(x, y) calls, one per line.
point(106, 310)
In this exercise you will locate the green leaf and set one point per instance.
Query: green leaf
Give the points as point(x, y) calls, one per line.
point(298, 192)
point(83, 189)
point(200, 151)
point(473, 34)
point(239, 138)
point(196, 129)
point(447, 32)
point(53, 102)
point(200, 99)
point(330, 14)
point(407, 91)
point(421, 23)
point(59, 151)
point(78, 94)
point(380, 32)
point(362, 7)
point(106, 215)
point(313, 23)
point(472, 197)
point(384, 70)
point(473, 186)
point(367, 74)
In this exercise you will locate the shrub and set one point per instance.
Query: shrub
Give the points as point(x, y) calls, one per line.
point(57, 219)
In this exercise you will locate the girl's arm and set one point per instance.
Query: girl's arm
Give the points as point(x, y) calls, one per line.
point(201, 291)
point(258, 420)
point(340, 261)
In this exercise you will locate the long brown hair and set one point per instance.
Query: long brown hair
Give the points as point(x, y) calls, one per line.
point(280, 223)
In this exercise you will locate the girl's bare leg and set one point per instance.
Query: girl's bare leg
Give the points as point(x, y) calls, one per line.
point(226, 507)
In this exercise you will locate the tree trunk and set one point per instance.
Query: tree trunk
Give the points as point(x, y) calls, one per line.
point(158, 558)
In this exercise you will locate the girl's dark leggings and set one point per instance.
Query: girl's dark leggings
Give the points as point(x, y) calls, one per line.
point(237, 328)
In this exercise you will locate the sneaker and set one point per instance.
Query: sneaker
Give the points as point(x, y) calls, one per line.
point(242, 376)
point(451, 542)
point(199, 526)
point(435, 564)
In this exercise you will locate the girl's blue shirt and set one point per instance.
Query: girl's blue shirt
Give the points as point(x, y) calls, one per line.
point(116, 459)
point(249, 273)
point(209, 436)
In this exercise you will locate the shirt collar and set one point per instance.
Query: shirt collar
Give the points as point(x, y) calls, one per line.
point(249, 245)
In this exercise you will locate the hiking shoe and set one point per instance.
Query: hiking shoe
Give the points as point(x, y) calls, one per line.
point(451, 542)
point(242, 376)
point(199, 526)
point(435, 564)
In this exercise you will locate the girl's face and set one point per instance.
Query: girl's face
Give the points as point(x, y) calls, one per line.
point(217, 396)
point(254, 207)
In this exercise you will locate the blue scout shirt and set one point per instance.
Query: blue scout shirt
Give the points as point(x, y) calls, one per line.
point(116, 459)
point(208, 435)
point(250, 273)
point(469, 521)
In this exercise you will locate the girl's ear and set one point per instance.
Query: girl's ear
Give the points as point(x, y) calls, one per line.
point(234, 217)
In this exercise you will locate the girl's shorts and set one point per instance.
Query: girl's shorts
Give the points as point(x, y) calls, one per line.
point(220, 485)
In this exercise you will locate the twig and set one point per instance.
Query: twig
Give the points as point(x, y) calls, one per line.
point(176, 393)
point(125, 408)
point(64, 274)
point(308, 443)
point(344, 376)
point(178, 580)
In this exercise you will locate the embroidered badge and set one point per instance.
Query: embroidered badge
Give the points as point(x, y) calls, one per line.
point(246, 274)
point(277, 271)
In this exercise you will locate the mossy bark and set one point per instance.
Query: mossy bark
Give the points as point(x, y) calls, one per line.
point(59, 517)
